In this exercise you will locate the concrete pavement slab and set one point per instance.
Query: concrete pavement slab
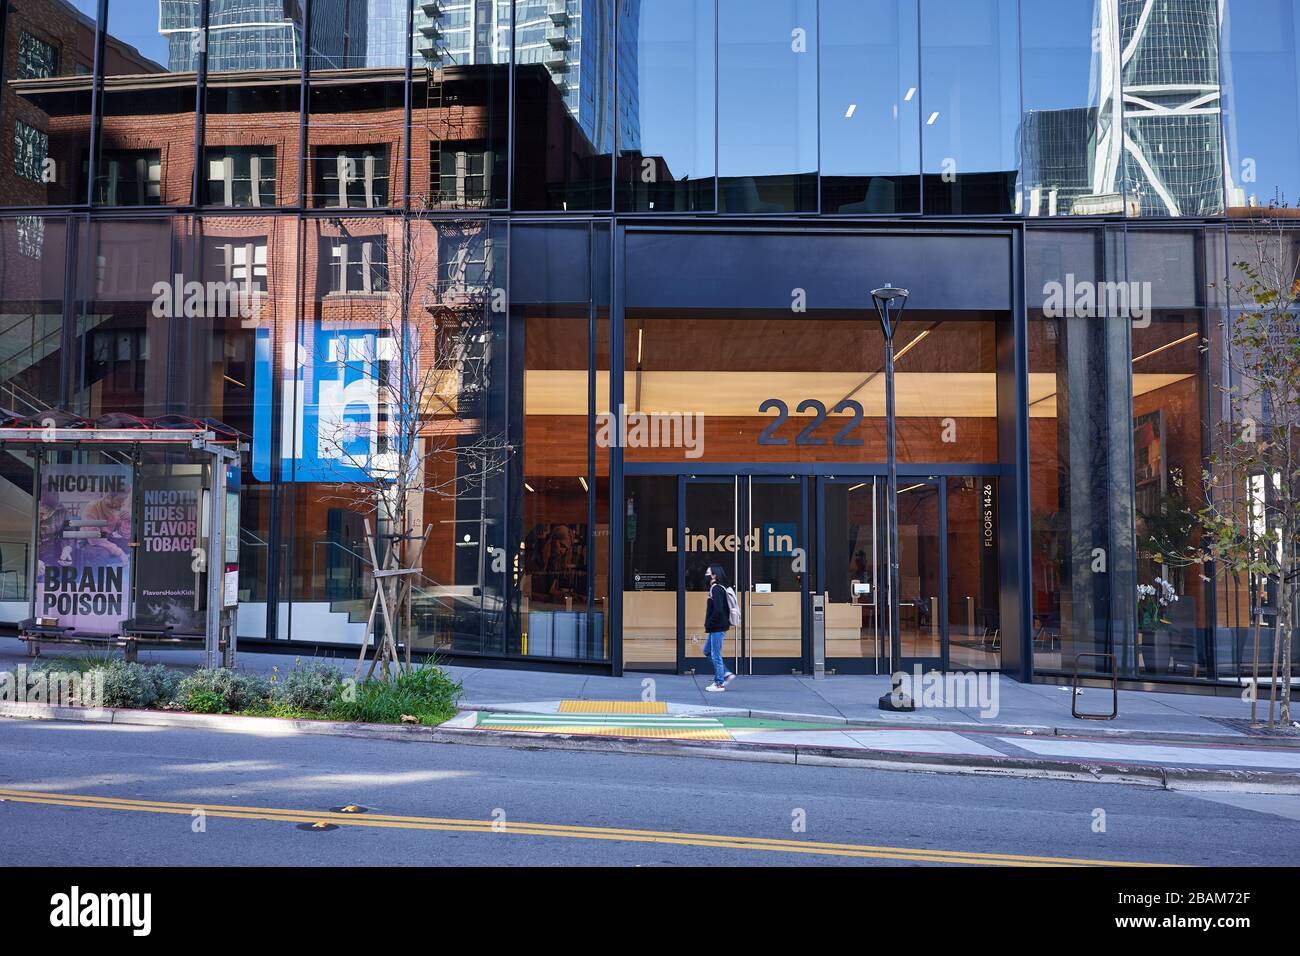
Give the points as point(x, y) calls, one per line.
point(1147, 753)
point(802, 738)
point(921, 741)
point(1279, 805)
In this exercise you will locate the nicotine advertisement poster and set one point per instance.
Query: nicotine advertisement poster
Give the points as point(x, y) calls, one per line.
point(166, 584)
point(83, 565)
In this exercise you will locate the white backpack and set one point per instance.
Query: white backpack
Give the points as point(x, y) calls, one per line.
point(733, 607)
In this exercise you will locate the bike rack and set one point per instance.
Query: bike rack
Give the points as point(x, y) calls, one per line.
point(1114, 689)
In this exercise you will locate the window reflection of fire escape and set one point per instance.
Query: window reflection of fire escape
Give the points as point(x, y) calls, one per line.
point(459, 171)
point(460, 302)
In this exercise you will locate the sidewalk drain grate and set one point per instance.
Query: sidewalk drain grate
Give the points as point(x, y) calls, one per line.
point(1279, 733)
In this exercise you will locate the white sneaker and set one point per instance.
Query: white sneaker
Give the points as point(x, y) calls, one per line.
point(728, 679)
point(715, 688)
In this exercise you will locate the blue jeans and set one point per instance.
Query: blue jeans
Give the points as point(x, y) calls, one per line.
point(713, 651)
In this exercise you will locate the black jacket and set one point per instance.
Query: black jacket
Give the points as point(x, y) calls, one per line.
point(717, 616)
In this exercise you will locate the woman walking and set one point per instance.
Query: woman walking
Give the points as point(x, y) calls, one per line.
point(717, 621)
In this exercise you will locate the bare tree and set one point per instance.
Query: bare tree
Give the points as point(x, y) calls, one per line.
point(426, 361)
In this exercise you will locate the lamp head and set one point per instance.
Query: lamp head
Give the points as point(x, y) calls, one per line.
point(889, 293)
point(884, 297)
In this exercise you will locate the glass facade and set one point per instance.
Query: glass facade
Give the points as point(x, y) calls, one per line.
point(573, 219)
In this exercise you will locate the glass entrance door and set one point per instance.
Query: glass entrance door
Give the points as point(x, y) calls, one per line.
point(754, 529)
point(780, 539)
point(853, 575)
point(922, 630)
point(711, 517)
point(775, 576)
point(947, 573)
point(850, 567)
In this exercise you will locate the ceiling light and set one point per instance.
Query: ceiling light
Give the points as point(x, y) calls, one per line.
point(1167, 345)
point(908, 347)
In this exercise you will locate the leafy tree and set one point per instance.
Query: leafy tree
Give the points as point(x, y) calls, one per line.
point(1248, 521)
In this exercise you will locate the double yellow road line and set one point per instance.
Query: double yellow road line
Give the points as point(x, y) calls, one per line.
point(512, 828)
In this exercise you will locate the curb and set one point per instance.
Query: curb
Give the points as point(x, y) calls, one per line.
point(1164, 778)
point(225, 722)
point(1290, 741)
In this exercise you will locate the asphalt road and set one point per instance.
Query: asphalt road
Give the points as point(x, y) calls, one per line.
point(137, 790)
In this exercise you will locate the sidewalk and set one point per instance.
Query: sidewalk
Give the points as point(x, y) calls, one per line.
point(853, 698)
point(1044, 708)
point(1173, 741)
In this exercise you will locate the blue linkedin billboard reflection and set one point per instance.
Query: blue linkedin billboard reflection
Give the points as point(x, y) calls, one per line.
point(329, 404)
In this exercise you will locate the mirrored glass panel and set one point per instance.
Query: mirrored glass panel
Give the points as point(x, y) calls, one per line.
point(1080, 402)
point(767, 106)
point(357, 34)
point(32, 365)
point(870, 107)
point(974, 615)
point(32, 297)
point(337, 377)
point(129, 303)
point(1261, 102)
point(254, 59)
point(454, 359)
point(564, 103)
point(146, 139)
point(1071, 147)
point(249, 262)
point(551, 317)
point(45, 78)
point(460, 102)
point(1172, 144)
point(1170, 442)
point(356, 103)
point(649, 573)
point(666, 140)
point(970, 106)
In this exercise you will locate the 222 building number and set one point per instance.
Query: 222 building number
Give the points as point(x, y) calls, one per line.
point(808, 436)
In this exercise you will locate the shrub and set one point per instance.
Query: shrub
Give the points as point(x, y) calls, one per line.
point(305, 692)
point(424, 692)
point(202, 701)
point(130, 684)
point(275, 708)
point(313, 688)
point(235, 691)
point(167, 681)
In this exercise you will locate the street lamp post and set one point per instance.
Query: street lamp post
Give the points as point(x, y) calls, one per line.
point(885, 298)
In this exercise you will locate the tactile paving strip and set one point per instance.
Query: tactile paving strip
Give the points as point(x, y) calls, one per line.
point(669, 733)
point(613, 707)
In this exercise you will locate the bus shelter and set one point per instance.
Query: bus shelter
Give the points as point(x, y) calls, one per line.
point(135, 531)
